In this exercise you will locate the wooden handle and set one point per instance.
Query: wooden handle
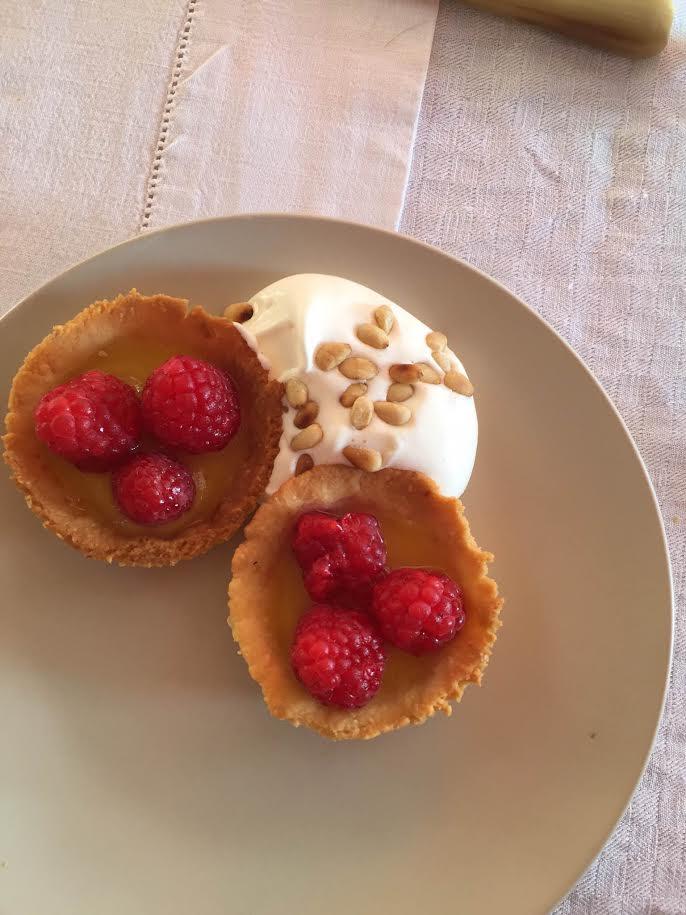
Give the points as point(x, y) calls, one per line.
point(635, 28)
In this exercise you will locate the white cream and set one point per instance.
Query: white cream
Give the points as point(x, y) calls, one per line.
point(252, 343)
point(294, 315)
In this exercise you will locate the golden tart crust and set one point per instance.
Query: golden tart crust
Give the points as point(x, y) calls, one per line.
point(421, 527)
point(158, 321)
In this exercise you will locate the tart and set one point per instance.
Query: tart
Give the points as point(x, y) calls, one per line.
point(420, 528)
point(129, 337)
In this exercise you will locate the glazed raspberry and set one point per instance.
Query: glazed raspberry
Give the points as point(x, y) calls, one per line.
point(192, 405)
point(93, 421)
point(153, 489)
point(338, 656)
point(418, 610)
point(341, 558)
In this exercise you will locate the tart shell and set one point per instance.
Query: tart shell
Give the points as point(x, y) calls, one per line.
point(435, 679)
point(59, 356)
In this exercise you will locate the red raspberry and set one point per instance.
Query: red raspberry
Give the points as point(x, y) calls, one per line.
point(153, 489)
point(93, 421)
point(418, 610)
point(192, 405)
point(341, 558)
point(338, 656)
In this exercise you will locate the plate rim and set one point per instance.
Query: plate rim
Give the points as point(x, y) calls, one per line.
point(513, 297)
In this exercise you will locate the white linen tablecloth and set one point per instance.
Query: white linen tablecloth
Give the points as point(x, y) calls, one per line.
point(559, 170)
point(118, 116)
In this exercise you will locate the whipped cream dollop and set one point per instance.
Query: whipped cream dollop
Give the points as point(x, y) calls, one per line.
point(293, 316)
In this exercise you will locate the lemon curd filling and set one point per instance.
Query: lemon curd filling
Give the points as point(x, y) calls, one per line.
point(408, 543)
point(132, 359)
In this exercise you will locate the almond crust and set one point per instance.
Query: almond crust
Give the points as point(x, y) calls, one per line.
point(161, 319)
point(438, 678)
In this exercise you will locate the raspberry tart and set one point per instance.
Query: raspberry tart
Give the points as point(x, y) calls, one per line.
point(361, 602)
point(142, 432)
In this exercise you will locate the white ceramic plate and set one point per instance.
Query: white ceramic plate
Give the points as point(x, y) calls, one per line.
point(139, 770)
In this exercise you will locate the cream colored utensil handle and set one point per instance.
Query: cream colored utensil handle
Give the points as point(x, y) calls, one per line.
point(637, 28)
